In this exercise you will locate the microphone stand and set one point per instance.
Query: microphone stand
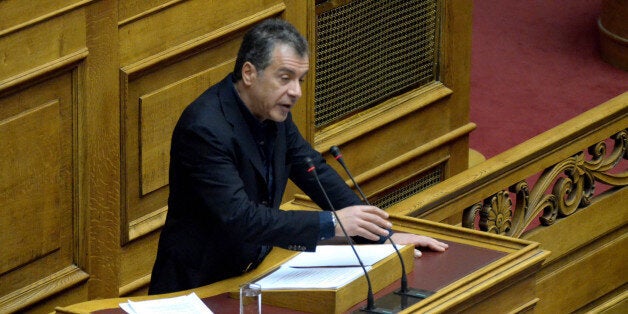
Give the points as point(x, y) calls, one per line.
point(403, 291)
point(370, 301)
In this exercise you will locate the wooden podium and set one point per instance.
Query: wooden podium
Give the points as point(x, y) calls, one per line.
point(480, 272)
point(381, 275)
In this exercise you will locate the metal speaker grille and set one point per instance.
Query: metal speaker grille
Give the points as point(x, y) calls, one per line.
point(370, 50)
point(407, 189)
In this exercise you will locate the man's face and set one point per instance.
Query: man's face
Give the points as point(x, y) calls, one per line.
point(276, 89)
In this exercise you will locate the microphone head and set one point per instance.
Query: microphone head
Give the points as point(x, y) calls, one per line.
point(335, 151)
point(310, 164)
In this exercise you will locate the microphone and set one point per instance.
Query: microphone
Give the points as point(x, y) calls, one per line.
point(370, 301)
point(403, 290)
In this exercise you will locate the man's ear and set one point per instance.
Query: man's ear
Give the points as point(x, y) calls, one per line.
point(249, 73)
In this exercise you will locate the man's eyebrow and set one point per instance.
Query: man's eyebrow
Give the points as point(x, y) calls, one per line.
point(291, 71)
point(287, 70)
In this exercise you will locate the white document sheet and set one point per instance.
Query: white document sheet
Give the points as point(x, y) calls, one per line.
point(342, 255)
point(330, 267)
point(187, 304)
point(310, 278)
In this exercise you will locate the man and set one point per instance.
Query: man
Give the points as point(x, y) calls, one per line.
point(233, 150)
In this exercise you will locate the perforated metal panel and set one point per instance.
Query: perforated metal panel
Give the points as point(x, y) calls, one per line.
point(409, 188)
point(370, 50)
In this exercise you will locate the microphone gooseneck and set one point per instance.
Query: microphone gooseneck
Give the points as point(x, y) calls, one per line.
point(335, 151)
point(370, 300)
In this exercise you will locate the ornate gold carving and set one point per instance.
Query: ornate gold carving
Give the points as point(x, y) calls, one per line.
point(496, 215)
point(572, 185)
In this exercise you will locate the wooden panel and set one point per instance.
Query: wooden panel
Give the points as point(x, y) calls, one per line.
point(588, 246)
point(157, 83)
point(586, 269)
point(416, 128)
point(159, 112)
point(132, 10)
point(29, 188)
point(155, 112)
point(501, 280)
point(98, 144)
point(37, 197)
point(16, 13)
point(186, 21)
point(41, 44)
point(154, 92)
point(136, 263)
point(584, 277)
point(59, 120)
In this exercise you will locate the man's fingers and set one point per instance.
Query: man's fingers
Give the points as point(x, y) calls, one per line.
point(376, 211)
point(366, 221)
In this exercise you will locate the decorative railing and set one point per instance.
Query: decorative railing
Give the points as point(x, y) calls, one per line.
point(572, 182)
point(571, 158)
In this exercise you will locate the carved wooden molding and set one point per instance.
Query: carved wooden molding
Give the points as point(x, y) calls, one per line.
point(44, 70)
point(523, 161)
point(45, 287)
point(400, 161)
point(414, 154)
point(560, 191)
point(147, 223)
point(374, 118)
point(44, 17)
point(139, 283)
point(136, 69)
point(146, 13)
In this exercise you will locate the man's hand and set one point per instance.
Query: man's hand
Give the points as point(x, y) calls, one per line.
point(419, 241)
point(366, 221)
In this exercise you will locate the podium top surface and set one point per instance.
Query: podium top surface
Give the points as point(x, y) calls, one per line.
point(475, 261)
point(432, 271)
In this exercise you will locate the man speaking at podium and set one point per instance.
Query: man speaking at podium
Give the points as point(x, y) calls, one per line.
point(233, 150)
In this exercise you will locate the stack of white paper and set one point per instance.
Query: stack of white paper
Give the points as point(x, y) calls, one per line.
point(310, 278)
point(330, 267)
point(187, 304)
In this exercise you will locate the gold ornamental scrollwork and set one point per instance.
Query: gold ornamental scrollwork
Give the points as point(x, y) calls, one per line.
point(572, 185)
point(496, 214)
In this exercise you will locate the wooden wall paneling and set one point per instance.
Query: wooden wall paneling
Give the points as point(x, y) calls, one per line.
point(546, 149)
point(37, 195)
point(455, 71)
point(155, 89)
point(99, 150)
point(158, 114)
point(35, 46)
point(586, 269)
point(136, 263)
point(589, 254)
point(376, 139)
point(151, 109)
point(134, 10)
point(43, 54)
point(157, 76)
point(157, 30)
point(18, 14)
point(302, 15)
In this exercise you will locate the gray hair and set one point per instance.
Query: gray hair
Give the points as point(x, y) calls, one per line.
point(259, 42)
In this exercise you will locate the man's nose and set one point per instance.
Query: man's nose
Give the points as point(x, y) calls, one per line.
point(295, 89)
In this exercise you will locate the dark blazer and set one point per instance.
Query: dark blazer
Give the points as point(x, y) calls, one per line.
point(218, 217)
